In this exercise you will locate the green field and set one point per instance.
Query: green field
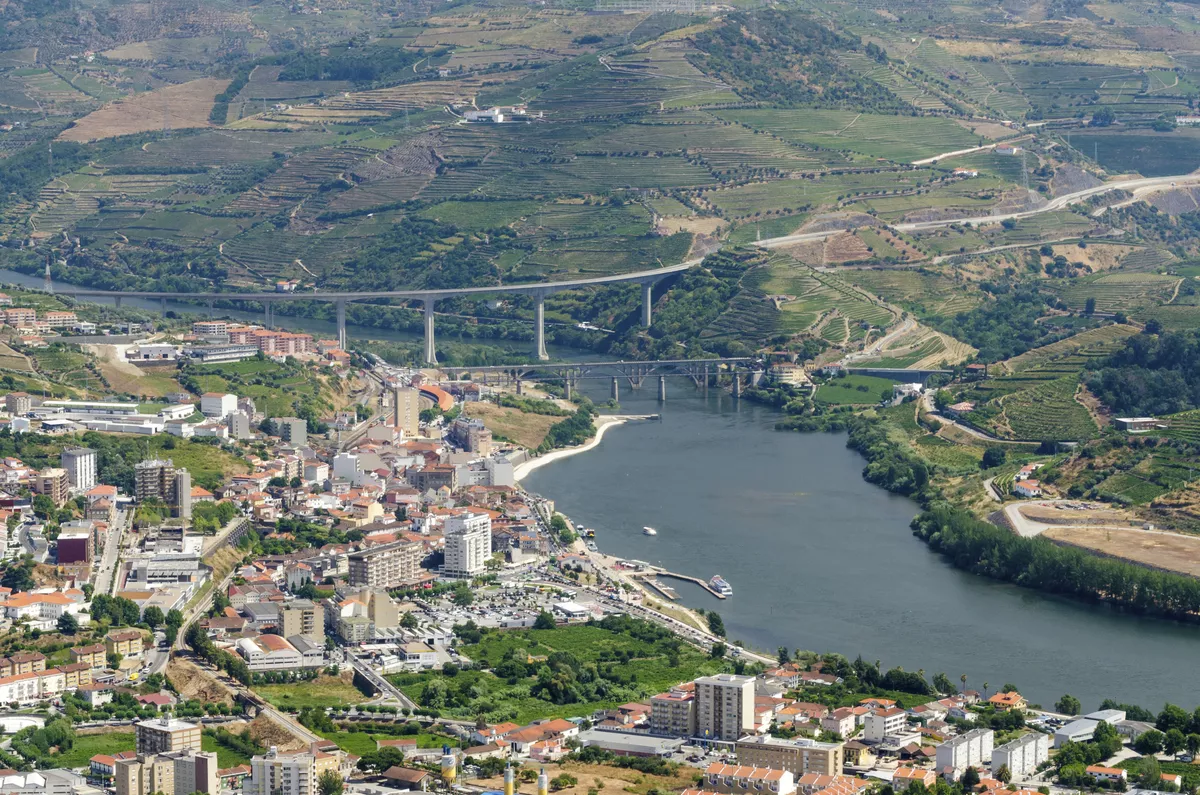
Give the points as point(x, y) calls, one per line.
point(226, 757)
point(1150, 154)
point(362, 743)
point(298, 695)
point(87, 746)
point(1047, 411)
point(853, 389)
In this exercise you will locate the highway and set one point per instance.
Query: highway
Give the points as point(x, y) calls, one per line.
point(1141, 184)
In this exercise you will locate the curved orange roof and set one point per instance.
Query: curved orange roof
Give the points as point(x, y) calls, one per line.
point(438, 395)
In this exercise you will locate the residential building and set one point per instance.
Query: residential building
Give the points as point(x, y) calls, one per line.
point(270, 653)
point(301, 617)
point(882, 722)
point(217, 405)
point(154, 478)
point(18, 403)
point(1103, 773)
point(1027, 488)
point(53, 483)
point(673, 714)
point(1023, 755)
point(386, 565)
point(80, 465)
point(160, 735)
point(92, 656)
point(292, 430)
point(170, 773)
point(842, 722)
point(128, 643)
point(182, 497)
point(468, 543)
point(971, 749)
point(1012, 699)
point(280, 773)
point(239, 425)
point(744, 779)
point(905, 777)
point(74, 548)
point(799, 756)
point(406, 411)
point(724, 707)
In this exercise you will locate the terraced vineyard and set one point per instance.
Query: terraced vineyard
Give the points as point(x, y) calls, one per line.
point(1092, 343)
point(921, 292)
point(809, 295)
point(1047, 411)
point(1120, 292)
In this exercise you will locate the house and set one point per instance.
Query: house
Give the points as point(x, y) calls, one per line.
point(960, 408)
point(857, 754)
point(905, 777)
point(1101, 773)
point(842, 722)
point(1027, 488)
point(1006, 701)
point(1136, 424)
point(549, 750)
point(407, 778)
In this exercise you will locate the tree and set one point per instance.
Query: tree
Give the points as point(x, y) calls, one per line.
point(783, 655)
point(1089, 306)
point(114, 659)
point(462, 596)
point(153, 616)
point(1068, 705)
point(1174, 742)
point(1149, 742)
point(970, 779)
point(68, 624)
point(942, 683)
point(174, 618)
point(1003, 774)
point(544, 620)
point(330, 783)
point(1148, 773)
point(717, 651)
point(408, 621)
point(1172, 717)
point(19, 576)
point(43, 506)
point(1193, 744)
point(993, 457)
point(715, 624)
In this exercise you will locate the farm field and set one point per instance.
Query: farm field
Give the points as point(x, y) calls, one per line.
point(325, 691)
point(1129, 293)
point(853, 390)
point(88, 745)
point(180, 107)
point(808, 297)
point(1046, 411)
point(1102, 339)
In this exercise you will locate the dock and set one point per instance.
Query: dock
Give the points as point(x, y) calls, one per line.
point(647, 576)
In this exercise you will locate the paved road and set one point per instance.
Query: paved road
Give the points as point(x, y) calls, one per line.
point(106, 575)
point(1143, 184)
point(383, 685)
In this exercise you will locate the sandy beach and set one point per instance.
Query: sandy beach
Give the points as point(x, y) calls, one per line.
point(603, 423)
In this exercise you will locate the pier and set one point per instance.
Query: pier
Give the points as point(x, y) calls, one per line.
point(646, 577)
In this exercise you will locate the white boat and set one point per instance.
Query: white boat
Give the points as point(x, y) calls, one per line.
point(719, 585)
point(649, 531)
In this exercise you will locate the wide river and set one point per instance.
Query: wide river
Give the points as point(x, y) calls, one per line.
point(818, 558)
point(821, 560)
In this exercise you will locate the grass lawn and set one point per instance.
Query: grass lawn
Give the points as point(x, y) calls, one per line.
point(846, 391)
point(89, 745)
point(226, 757)
point(363, 743)
point(326, 691)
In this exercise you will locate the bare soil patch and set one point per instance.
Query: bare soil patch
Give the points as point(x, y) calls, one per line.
point(1160, 550)
point(606, 779)
point(1097, 256)
point(669, 225)
point(192, 681)
point(846, 248)
point(185, 105)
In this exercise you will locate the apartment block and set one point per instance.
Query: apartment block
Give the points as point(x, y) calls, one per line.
point(292, 430)
point(468, 543)
point(406, 411)
point(54, 484)
point(882, 722)
point(1023, 755)
point(80, 465)
point(724, 707)
point(279, 773)
point(18, 403)
point(127, 644)
point(746, 779)
point(170, 773)
point(972, 749)
point(799, 756)
point(301, 617)
point(387, 565)
point(160, 735)
point(673, 714)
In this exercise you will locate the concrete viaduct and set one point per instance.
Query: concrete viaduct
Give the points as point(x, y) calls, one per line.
point(539, 291)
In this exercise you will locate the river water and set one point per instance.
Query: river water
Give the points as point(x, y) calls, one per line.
point(821, 560)
point(818, 558)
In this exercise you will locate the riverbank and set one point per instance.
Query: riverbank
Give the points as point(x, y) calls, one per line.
point(603, 423)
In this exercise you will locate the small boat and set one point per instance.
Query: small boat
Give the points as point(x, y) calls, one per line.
point(589, 532)
point(591, 545)
point(649, 531)
point(720, 586)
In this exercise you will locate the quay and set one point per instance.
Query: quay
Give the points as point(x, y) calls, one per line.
point(646, 577)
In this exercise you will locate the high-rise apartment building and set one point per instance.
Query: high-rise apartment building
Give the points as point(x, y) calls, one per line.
point(279, 773)
point(182, 496)
point(170, 773)
point(292, 430)
point(468, 543)
point(724, 707)
point(406, 411)
point(301, 617)
point(53, 483)
point(673, 714)
point(386, 565)
point(80, 464)
point(159, 735)
point(154, 479)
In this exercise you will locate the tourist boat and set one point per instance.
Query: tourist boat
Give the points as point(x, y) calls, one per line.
point(649, 531)
point(720, 586)
point(589, 532)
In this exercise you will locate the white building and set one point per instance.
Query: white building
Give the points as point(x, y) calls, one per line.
point(239, 425)
point(468, 544)
point(1077, 731)
point(217, 405)
point(292, 430)
point(179, 411)
point(348, 466)
point(882, 722)
point(80, 463)
point(1022, 755)
point(270, 653)
point(967, 750)
point(277, 773)
point(724, 707)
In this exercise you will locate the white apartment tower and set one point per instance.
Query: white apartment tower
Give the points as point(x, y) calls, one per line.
point(80, 463)
point(972, 749)
point(468, 544)
point(276, 773)
point(406, 411)
point(1023, 755)
point(724, 707)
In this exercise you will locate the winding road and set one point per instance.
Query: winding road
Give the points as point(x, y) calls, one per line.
point(1141, 184)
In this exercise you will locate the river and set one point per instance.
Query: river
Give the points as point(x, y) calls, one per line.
point(821, 560)
point(818, 558)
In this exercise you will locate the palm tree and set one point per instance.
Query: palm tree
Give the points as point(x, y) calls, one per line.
point(985, 689)
point(963, 678)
